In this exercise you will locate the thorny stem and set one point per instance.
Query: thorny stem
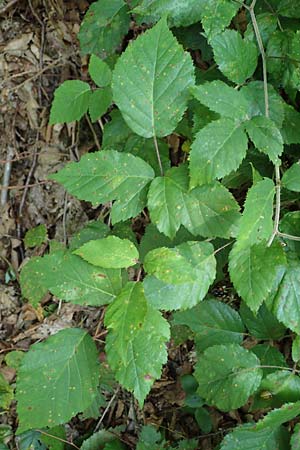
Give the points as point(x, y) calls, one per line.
point(158, 155)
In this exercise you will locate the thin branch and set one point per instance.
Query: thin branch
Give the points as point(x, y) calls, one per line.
point(7, 7)
point(93, 132)
point(277, 205)
point(106, 410)
point(57, 438)
point(288, 236)
point(6, 176)
point(158, 155)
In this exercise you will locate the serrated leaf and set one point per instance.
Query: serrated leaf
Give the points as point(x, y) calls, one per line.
point(256, 223)
point(213, 323)
point(279, 416)
point(263, 324)
point(52, 441)
point(70, 351)
point(223, 99)
point(99, 102)
point(166, 200)
point(104, 25)
point(217, 150)
point(150, 89)
point(296, 349)
point(180, 13)
point(14, 358)
point(99, 439)
point(236, 57)
point(99, 71)
point(290, 224)
point(141, 365)
point(95, 229)
point(287, 8)
point(256, 270)
point(30, 440)
point(245, 438)
point(295, 439)
point(269, 356)
point(216, 15)
point(35, 236)
point(110, 252)
point(286, 303)
point(202, 116)
point(70, 278)
point(71, 101)
point(277, 388)
point(168, 289)
point(267, 24)
point(291, 178)
point(115, 132)
point(109, 175)
point(254, 93)
point(227, 376)
point(211, 211)
point(266, 137)
point(291, 126)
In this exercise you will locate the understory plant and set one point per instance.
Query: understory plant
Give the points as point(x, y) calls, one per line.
point(198, 177)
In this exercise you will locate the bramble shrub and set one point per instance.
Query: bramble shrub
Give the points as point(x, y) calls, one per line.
point(222, 78)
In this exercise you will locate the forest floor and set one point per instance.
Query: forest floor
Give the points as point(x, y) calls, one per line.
point(39, 50)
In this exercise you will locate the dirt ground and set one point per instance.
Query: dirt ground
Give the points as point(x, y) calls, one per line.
point(39, 50)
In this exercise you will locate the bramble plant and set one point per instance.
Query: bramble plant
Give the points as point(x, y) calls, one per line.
point(227, 198)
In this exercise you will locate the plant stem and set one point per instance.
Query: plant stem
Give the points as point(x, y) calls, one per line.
point(277, 206)
point(158, 155)
point(289, 236)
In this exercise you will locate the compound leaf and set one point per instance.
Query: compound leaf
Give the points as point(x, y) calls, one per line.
point(266, 137)
point(227, 375)
point(291, 178)
point(256, 222)
point(71, 351)
point(217, 150)
point(236, 57)
point(256, 270)
point(109, 252)
point(151, 80)
point(103, 27)
point(141, 365)
point(223, 99)
point(109, 175)
point(71, 101)
point(213, 323)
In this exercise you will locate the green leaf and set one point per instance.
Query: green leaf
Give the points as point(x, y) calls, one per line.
point(266, 137)
point(95, 229)
point(70, 278)
point(211, 211)
point(290, 224)
point(99, 102)
point(138, 368)
point(14, 358)
point(267, 24)
point(149, 439)
point(203, 420)
point(181, 289)
point(269, 356)
point(110, 252)
point(277, 388)
point(291, 178)
point(296, 349)
point(66, 364)
point(246, 438)
point(166, 200)
point(36, 236)
point(256, 270)
point(227, 375)
point(287, 8)
point(109, 175)
point(263, 324)
point(216, 15)
point(6, 393)
point(291, 126)
point(53, 442)
point(104, 25)
point(183, 13)
point(256, 223)
point(30, 440)
point(236, 57)
point(279, 416)
point(254, 93)
point(217, 150)
point(116, 131)
point(213, 323)
point(223, 99)
point(71, 101)
point(286, 303)
point(295, 439)
point(99, 71)
point(150, 89)
point(99, 439)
